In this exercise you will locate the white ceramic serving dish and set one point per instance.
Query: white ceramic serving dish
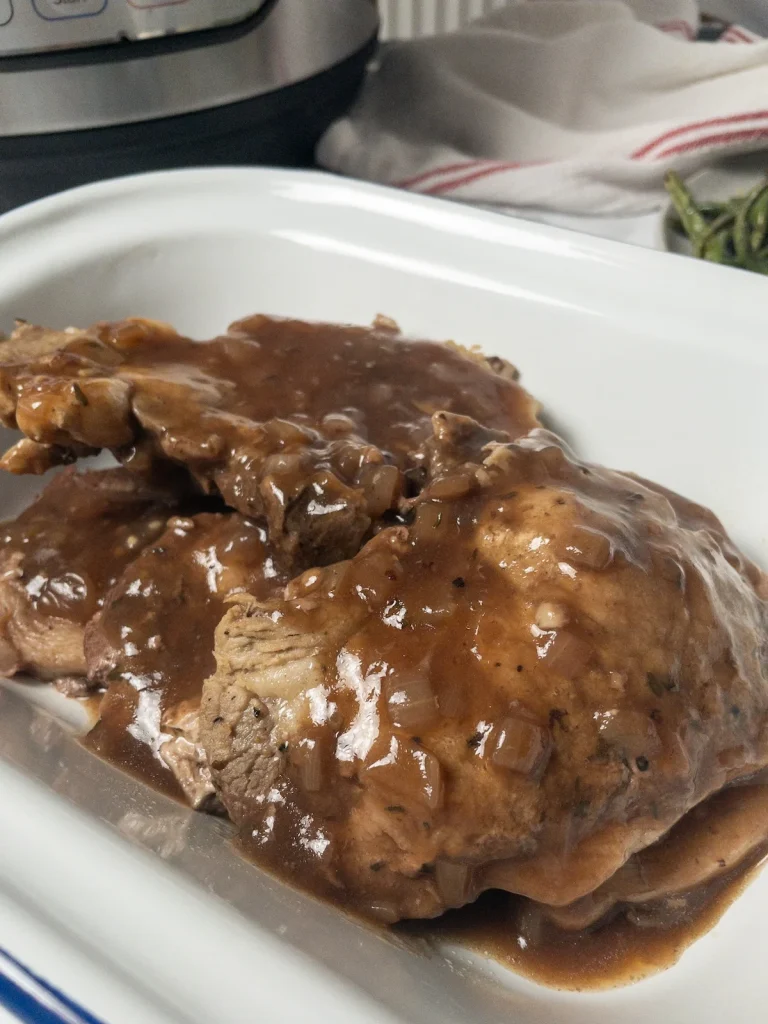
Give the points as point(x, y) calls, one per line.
point(139, 910)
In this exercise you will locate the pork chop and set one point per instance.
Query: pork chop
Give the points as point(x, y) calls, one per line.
point(59, 558)
point(309, 425)
point(529, 684)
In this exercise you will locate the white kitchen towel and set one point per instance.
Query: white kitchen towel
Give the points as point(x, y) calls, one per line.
point(577, 106)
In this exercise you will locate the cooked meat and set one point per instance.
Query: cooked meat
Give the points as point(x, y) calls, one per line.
point(455, 449)
point(58, 559)
point(709, 841)
point(528, 674)
point(152, 644)
point(521, 690)
point(180, 751)
point(310, 425)
point(30, 457)
point(29, 342)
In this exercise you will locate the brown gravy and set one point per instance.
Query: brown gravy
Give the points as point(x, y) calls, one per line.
point(514, 932)
point(62, 575)
point(510, 930)
point(112, 740)
point(722, 842)
point(153, 644)
point(157, 624)
point(273, 414)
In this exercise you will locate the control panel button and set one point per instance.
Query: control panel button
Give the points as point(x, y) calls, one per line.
point(53, 10)
point(6, 11)
point(144, 4)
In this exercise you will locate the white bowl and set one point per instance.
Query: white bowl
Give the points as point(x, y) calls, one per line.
point(650, 363)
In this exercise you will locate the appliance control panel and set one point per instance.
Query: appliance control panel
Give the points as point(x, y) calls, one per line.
point(39, 26)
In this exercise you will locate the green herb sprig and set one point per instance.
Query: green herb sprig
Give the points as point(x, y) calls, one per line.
point(734, 232)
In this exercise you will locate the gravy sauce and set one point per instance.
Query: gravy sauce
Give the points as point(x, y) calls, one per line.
point(271, 412)
point(152, 645)
point(73, 542)
point(631, 943)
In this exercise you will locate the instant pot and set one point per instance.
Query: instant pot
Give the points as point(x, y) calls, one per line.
point(91, 89)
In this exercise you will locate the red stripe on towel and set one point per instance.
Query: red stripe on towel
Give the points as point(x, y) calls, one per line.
point(757, 115)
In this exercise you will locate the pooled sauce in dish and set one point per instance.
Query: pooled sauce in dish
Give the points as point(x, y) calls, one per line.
point(617, 951)
point(630, 944)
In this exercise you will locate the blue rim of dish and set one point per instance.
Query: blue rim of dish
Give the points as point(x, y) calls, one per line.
point(34, 1001)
